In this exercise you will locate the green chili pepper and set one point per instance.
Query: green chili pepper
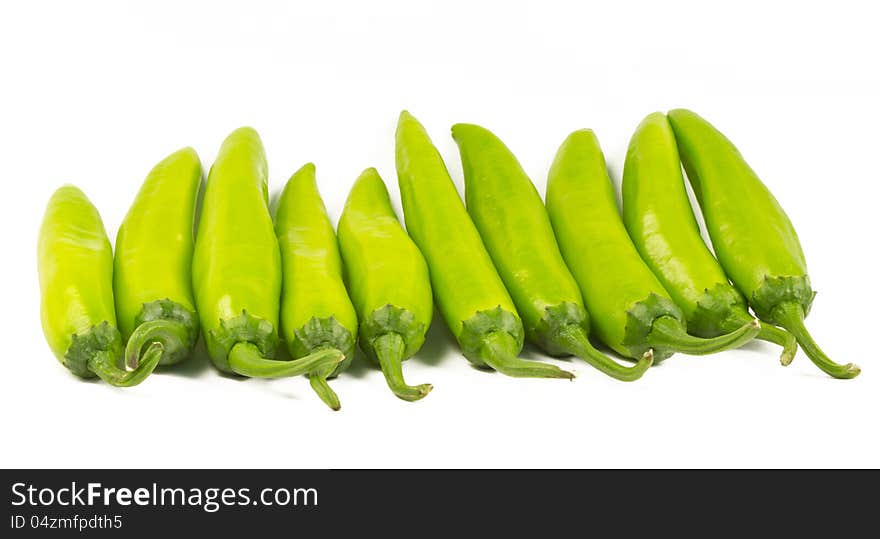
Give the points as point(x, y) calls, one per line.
point(632, 312)
point(512, 220)
point(661, 223)
point(237, 267)
point(468, 290)
point(388, 280)
point(152, 277)
point(316, 313)
point(75, 264)
point(753, 237)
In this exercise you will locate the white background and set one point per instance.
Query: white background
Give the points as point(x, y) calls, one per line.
point(95, 93)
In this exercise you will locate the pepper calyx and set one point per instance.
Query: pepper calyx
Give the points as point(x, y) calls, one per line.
point(776, 291)
point(243, 328)
point(166, 309)
point(320, 333)
point(101, 338)
point(556, 319)
point(640, 321)
point(477, 328)
point(392, 319)
point(718, 308)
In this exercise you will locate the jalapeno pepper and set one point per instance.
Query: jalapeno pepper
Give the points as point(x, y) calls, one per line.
point(152, 277)
point(316, 313)
point(753, 237)
point(508, 211)
point(237, 267)
point(470, 294)
point(658, 215)
point(632, 312)
point(75, 265)
point(388, 280)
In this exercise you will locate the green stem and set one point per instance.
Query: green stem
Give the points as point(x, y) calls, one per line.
point(173, 335)
point(791, 317)
point(245, 359)
point(499, 350)
point(667, 333)
point(324, 391)
point(573, 339)
point(768, 333)
point(390, 350)
point(781, 337)
point(104, 365)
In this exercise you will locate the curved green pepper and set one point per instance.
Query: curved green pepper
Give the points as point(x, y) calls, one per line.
point(661, 223)
point(512, 220)
point(237, 267)
point(316, 313)
point(75, 265)
point(632, 312)
point(152, 277)
point(388, 280)
point(468, 290)
point(753, 237)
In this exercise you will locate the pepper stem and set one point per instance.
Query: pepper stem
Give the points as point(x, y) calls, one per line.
point(573, 339)
point(781, 337)
point(791, 316)
point(390, 350)
point(324, 391)
point(104, 365)
point(173, 335)
point(245, 359)
point(668, 333)
point(768, 333)
point(499, 350)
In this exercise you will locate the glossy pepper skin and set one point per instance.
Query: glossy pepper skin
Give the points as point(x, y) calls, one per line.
point(152, 277)
point(470, 294)
point(631, 311)
point(753, 237)
point(237, 267)
point(75, 265)
point(659, 218)
point(388, 280)
point(512, 221)
point(316, 312)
